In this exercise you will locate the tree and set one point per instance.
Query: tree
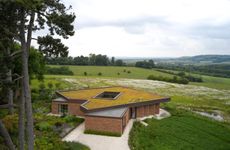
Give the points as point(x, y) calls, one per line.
point(119, 62)
point(112, 61)
point(31, 16)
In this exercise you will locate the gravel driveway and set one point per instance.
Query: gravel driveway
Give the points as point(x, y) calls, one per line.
point(97, 142)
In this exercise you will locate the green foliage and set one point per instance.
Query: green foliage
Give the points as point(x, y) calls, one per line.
point(119, 62)
point(92, 59)
point(189, 77)
point(43, 126)
point(59, 71)
point(103, 133)
point(175, 79)
point(85, 73)
point(183, 130)
point(76, 146)
point(11, 123)
point(99, 74)
point(72, 118)
point(145, 64)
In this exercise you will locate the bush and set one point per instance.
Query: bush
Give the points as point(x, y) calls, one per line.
point(118, 73)
point(175, 79)
point(103, 133)
point(99, 73)
point(128, 71)
point(71, 118)
point(59, 71)
point(85, 73)
point(43, 126)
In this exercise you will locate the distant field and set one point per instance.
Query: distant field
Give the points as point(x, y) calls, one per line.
point(113, 71)
point(139, 73)
point(215, 82)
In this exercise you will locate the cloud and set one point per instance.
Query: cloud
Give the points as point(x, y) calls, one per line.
point(150, 28)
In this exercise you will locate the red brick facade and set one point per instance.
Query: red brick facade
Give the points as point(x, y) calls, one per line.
point(103, 124)
point(73, 108)
point(109, 124)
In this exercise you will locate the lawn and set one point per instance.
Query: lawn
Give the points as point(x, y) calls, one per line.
point(183, 130)
point(114, 71)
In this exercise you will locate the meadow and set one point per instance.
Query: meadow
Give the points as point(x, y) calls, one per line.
point(140, 73)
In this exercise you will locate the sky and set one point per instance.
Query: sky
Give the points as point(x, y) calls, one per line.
point(150, 28)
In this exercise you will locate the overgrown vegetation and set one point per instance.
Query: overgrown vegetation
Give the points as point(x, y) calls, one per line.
point(49, 130)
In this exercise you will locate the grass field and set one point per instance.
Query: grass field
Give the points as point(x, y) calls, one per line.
point(183, 130)
point(139, 73)
point(214, 82)
point(112, 71)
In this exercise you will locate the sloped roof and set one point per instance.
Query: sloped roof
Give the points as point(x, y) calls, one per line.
point(127, 96)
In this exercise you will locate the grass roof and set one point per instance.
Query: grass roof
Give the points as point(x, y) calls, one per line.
point(127, 96)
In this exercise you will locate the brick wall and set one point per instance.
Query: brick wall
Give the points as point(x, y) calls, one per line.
point(125, 119)
point(73, 108)
point(147, 110)
point(103, 124)
point(54, 107)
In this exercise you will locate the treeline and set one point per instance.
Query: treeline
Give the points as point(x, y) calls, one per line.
point(218, 70)
point(92, 59)
point(145, 64)
point(175, 79)
point(58, 71)
point(182, 74)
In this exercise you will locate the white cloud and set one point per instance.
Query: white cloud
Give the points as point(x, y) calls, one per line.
point(152, 28)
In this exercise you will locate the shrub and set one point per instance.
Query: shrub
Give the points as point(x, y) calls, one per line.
point(58, 124)
point(103, 133)
point(43, 126)
point(59, 71)
point(71, 118)
point(118, 73)
point(50, 85)
point(128, 71)
point(57, 85)
point(99, 73)
point(85, 73)
point(175, 79)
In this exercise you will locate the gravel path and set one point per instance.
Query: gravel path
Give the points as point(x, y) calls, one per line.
point(97, 142)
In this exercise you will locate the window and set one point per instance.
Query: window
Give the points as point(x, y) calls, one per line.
point(63, 108)
point(108, 95)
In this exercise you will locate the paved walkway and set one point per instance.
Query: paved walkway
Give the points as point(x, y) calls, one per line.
point(97, 142)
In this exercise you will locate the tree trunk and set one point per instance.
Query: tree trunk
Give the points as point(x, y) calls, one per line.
point(4, 133)
point(10, 95)
point(27, 96)
point(21, 121)
point(26, 86)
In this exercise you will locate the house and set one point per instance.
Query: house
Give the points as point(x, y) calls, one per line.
point(107, 109)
